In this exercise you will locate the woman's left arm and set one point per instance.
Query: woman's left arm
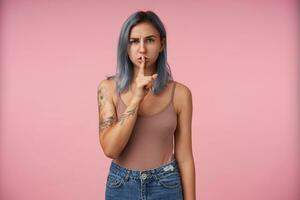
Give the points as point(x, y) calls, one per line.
point(183, 142)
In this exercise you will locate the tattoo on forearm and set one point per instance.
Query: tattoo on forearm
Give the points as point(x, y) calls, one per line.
point(127, 114)
point(109, 121)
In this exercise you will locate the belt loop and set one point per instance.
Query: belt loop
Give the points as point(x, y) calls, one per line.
point(155, 177)
point(127, 175)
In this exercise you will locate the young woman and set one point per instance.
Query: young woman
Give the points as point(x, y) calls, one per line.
point(141, 110)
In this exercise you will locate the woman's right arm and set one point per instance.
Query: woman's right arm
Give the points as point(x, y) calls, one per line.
point(114, 133)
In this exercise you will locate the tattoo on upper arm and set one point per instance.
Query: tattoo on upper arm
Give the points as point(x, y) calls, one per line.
point(102, 101)
point(102, 96)
point(107, 122)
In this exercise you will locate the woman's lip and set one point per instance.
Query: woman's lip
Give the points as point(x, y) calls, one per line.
point(144, 56)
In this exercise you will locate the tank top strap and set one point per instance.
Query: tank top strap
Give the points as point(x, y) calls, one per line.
point(118, 97)
point(173, 89)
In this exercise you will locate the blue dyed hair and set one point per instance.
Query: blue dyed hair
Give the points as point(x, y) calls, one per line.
point(124, 71)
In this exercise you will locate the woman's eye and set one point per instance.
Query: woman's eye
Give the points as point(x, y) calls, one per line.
point(137, 41)
point(133, 41)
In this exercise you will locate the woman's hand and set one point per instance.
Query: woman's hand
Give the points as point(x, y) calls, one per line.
point(143, 83)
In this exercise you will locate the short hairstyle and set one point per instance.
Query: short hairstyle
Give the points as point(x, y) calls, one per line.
point(124, 70)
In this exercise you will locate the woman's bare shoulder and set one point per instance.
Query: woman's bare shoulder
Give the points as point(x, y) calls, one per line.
point(182, 96)
point(109, 84)
point(181, 89)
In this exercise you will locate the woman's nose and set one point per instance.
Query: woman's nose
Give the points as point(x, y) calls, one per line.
point(142, 47)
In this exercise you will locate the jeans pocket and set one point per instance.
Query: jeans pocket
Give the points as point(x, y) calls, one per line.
point(114, 181)
point(170, 180)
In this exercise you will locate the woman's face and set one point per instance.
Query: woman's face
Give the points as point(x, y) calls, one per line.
point(144, 40)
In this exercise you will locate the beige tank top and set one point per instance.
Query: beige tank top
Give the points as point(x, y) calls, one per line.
point(151, 142)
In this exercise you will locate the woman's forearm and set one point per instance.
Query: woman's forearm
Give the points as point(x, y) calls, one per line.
point(187, 170)
point(117, 136)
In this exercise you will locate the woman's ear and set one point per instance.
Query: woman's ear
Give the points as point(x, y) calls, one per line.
point(162, 45)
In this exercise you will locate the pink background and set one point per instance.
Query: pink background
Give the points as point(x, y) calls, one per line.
point(238, 58)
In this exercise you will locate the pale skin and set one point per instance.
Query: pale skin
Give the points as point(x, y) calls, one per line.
point(114, 133)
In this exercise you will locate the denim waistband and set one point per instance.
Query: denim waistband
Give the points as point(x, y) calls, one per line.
point(161, 170)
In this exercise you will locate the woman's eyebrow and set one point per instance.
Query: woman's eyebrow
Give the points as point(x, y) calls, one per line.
point(149, 36)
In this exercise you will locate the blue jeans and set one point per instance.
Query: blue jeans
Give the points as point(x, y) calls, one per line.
point(162, 183)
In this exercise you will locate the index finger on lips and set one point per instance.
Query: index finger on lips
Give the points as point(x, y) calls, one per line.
point(142, 66)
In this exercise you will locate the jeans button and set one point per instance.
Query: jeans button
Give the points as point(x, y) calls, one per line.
point(143, 176)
